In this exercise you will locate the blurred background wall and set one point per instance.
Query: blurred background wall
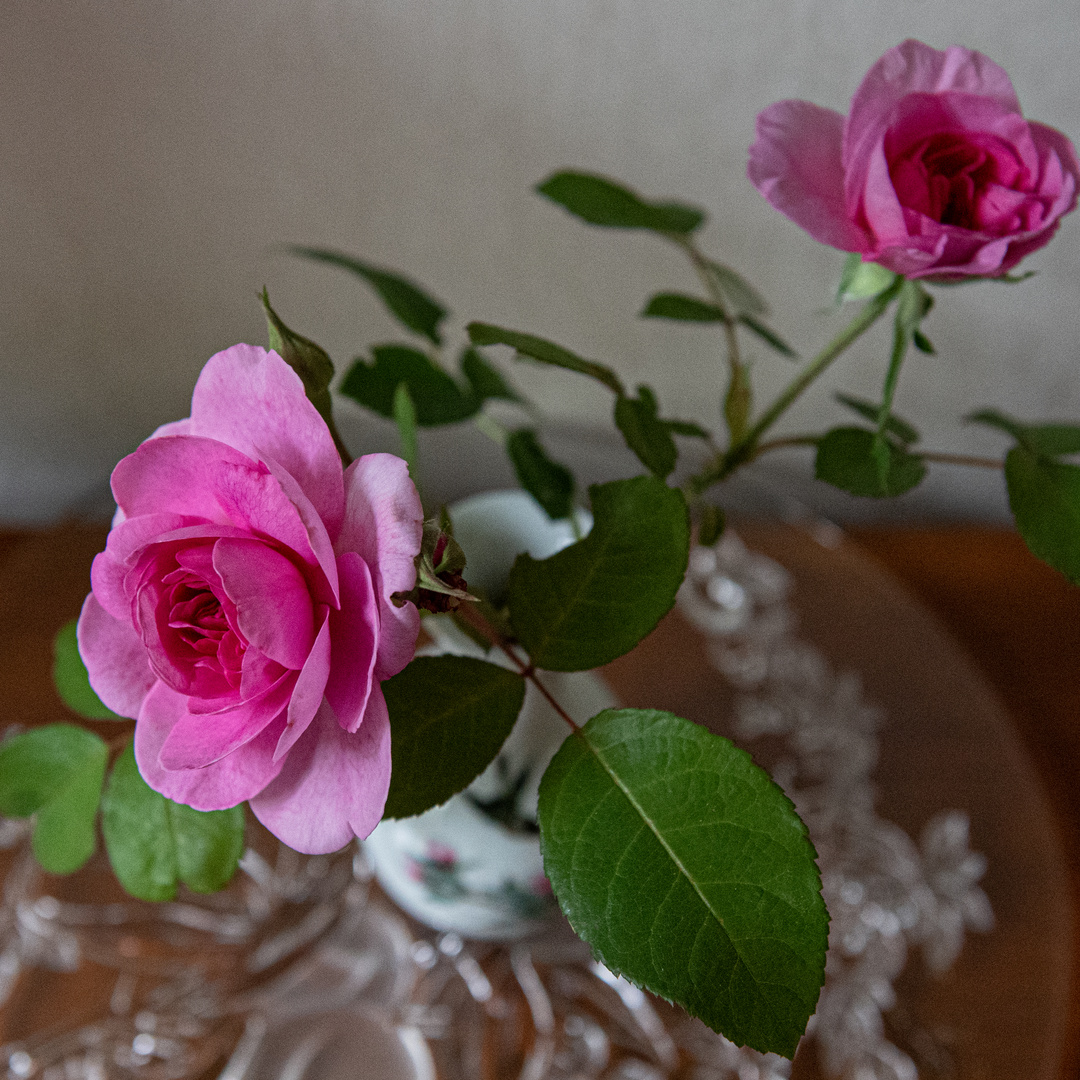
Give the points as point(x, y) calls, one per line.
point(155, 155)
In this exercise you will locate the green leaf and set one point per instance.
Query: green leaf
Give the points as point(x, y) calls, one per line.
point(548, 482)
point(688, 872)
point(405, 418)
point(1046, 440)
point(543, 351)
point(449, 716)
point(645, 434)
point(154, 842)
point(596, 599)
point(687, 428)
point(869, 411)
point(923, 343)
point(437, 398)
point(769, 336)
point(486, 381)
point(70, 678)
point(308, 360)
point(684, 308)
point(743, 298)
point(1045, 500)
point(405, 300)
point(711, 526)
point(846, 459)
point(601, 201)
point(55, 772)
point(861, 280)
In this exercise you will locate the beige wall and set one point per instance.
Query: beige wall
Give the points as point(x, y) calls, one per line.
point(154, 154)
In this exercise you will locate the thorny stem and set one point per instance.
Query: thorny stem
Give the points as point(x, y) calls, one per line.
point(477, 621)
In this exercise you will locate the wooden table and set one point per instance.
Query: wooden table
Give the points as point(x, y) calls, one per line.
point(1018, 619)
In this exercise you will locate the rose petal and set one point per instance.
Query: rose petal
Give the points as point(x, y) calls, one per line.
point(333, 785)
point(795, 164)
point(115, 659)
point(384, 523)
point(252, 400)
point(273, 605)
point(354, 632)
point(308, 694)
point(199, 739)
point(227, 782)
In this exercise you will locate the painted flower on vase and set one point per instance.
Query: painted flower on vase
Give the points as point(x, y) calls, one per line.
point(934, 173)
point(241, 610)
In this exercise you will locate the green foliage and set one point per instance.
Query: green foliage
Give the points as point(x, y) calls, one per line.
point(769, 336)
point(861, 280)
point(154, 842)
point(596, 599)
point(71, 680)
point(548, 482)
point(405, 300)
point(741, 296)
point(688, 871)
point(1045, 440)
point(712, 524)
point(601, 201)
point(542, 351)
point(868, 411)
point(449, 716)
point(686, 428)
point(645, 433)
point(308, 360)
point(1044, 497)
point(436, 396)
point(857, 461)
point(683, 308)
point(55, 772)
point(405, 417)
point(487, 382)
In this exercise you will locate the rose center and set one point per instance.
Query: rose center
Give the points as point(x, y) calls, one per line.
point(971, 180)
point(200, 630)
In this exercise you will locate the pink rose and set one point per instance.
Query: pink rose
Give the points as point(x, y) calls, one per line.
point(934, 172)
point(241, 609)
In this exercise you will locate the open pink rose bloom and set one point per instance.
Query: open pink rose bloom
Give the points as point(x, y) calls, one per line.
point(934, 172)
point(241, 610)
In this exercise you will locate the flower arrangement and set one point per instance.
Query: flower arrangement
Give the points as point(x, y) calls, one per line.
point(257, 606)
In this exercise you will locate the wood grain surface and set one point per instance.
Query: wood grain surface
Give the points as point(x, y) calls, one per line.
point(1017, 619)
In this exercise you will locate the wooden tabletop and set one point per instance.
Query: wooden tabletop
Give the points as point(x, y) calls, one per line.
point(1019, 621)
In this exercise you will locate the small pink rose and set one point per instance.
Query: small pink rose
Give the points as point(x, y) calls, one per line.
point(933, 174)
point(241, 609)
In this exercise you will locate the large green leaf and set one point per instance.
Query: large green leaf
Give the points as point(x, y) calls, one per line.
point(543, 351)
point(549, 483)
point(436, 396)
point(71, 680)
point(688, 871)
point(601, 201)
point(55, 772)
point(449, 716)
point(855, 461)
point(1046, 440)
point(1045, 501)
point(645, 433)
point(308, 360)
point(154, 842)
point(596, 599)
point(405, 299)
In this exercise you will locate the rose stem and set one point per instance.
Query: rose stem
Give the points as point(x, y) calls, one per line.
point(704, 272)
point(743, 450)
point(477, 621)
